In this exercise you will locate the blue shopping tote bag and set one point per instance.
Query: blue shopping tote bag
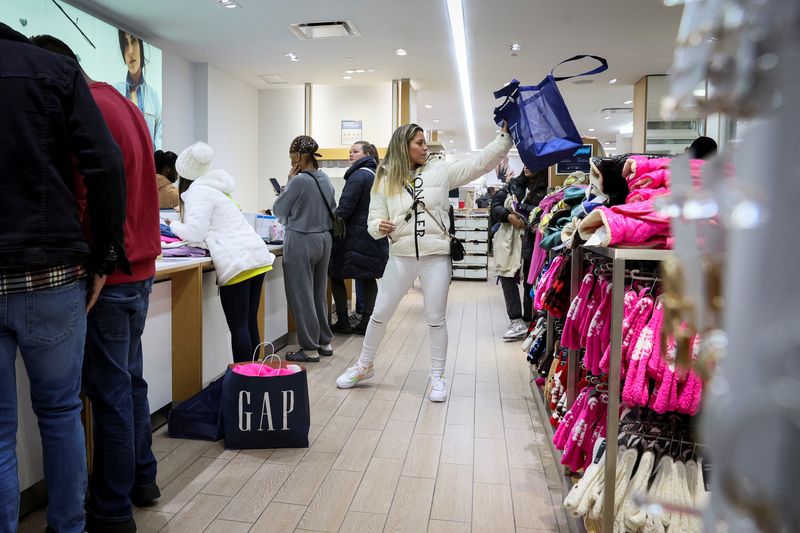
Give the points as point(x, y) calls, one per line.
point(538, 118)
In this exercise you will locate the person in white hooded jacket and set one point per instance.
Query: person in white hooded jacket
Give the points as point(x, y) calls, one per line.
point(241, 258)
point(410, 206)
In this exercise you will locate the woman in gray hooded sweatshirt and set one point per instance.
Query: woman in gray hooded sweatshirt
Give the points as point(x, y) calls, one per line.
point(304, 207)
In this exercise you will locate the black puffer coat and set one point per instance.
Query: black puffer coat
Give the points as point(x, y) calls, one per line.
point(359, 256)
point(528, 194)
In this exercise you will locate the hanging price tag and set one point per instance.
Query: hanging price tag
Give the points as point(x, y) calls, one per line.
point(707, 476)
point(600, 451)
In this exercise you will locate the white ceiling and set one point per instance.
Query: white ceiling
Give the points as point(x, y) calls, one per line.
point(636, 36)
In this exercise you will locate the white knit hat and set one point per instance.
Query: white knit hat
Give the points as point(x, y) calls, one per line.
point(194, 161)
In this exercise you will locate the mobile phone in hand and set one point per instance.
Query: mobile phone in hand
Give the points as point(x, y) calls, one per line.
point(275, 185)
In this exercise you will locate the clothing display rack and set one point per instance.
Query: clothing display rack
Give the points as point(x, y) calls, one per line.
point(619, 259)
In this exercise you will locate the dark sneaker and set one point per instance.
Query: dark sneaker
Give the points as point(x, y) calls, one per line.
point(301, 356)
point(145, 495)
point(342, 324)
point(107, 525)
point(326, 350)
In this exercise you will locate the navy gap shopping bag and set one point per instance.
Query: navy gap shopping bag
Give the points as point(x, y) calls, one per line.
point(538, 118)
point(265, 412)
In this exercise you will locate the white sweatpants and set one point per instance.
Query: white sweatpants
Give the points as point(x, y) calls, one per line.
point(434, 274)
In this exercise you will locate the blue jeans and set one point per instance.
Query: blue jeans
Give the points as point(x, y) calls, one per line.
point(49, 327)
point(112, 379)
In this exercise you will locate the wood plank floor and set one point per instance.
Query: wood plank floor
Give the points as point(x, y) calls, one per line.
point(382, 457)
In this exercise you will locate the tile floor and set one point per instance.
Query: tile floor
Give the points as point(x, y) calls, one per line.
point(382, 457)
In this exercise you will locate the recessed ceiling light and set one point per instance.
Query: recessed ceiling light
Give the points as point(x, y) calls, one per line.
point(607, 142)
point(451, 141)
point(400, 52)
point(436, 121)
point(349, 58)
point(347, 77)
point(591, 129)
point(370, 70)
point(612, 80)
point(628, 102)
point(292, 57)
point(455, 149)
point(514, 49)
point(428, 106)
point(497, 131)
point(608, 117)
point(231, 6)
point(360, 71)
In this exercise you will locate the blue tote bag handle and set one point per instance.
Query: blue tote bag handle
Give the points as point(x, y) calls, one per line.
point(602, 68)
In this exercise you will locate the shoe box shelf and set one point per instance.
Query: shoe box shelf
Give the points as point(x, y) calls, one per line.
point(472, 227)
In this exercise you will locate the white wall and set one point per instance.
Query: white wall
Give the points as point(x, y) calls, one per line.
point(281, 117)
point(233, 133)
point(178, 104)
point(370, 104)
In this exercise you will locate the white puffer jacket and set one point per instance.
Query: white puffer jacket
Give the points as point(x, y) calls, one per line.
point(432, 184)
point(211, 216)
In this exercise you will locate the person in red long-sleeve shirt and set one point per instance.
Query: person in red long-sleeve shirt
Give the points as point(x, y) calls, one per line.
point(124, 467)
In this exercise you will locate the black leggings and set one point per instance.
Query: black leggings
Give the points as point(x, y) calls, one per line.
point(339, 290)
point(240, 303)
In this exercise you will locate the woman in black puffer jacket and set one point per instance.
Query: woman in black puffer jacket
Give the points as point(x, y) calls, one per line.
point(359, 256)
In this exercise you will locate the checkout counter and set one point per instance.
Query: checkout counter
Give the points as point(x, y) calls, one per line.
point(186, 344)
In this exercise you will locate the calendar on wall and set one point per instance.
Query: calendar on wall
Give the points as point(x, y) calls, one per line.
point(351, 132)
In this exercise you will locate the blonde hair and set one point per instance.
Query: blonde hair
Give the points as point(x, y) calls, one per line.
point(395, 169)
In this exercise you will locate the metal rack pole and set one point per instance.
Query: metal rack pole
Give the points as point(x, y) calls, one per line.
point(576, 274)
point(618, 300)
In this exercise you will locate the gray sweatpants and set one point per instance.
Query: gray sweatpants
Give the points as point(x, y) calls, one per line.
point(305, 276)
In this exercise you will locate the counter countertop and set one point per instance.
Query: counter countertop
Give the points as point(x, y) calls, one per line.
point(170, 265)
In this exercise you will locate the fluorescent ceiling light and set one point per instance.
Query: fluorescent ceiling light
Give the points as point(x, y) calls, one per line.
point(455, 12)
point(400, 52)
point(591, 129)
point(628, 102)
point(627, 129)
point(612, 80)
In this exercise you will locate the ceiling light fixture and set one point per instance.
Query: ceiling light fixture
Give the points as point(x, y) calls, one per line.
point(591, 129)
point(428, 106)
point(628, 102)
point(370, 70)
point(608, 117)
point(436, 121)
point(612, 80)
point(626, 129)
point(231, 6)
point(607, 142)
point(347, 77)
point(293, 58)
point(360, 71)
point(451, 141)
point(455, 12)
point(400, 52)
point(515, 49)
point(349, 71)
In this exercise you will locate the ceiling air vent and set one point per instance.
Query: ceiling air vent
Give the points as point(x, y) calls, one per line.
point(615, 110)
point(272, 79)
point(325, 30)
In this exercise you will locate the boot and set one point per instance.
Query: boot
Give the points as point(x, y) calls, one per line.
point(342, 324)
point(361, 327)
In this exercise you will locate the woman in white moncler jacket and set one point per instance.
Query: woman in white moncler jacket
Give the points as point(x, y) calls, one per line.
point(409, 205)
point(241, 258)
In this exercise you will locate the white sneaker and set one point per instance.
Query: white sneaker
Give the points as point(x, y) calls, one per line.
point(438, 389)
point(516, 330)
point(353, 375)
